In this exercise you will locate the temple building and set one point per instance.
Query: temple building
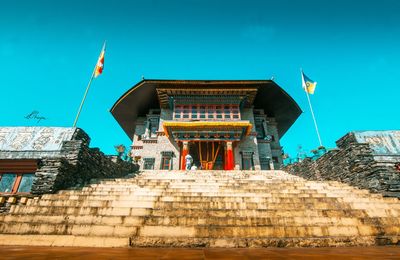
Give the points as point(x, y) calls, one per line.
point(222, 124)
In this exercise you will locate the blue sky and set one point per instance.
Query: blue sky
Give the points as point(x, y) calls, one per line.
point(351, 48)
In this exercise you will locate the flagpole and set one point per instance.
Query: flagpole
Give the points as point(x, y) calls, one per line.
point(83, 99)
point(86, 91)
point(313, 116)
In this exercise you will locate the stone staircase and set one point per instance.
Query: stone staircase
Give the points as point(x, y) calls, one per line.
point(205, 209)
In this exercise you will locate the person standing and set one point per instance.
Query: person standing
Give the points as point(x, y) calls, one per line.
point(189, 161)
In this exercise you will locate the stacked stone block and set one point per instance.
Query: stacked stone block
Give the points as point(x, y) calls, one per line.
point(353, 163)
point(76, 166)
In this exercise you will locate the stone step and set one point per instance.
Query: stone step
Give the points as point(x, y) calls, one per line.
point(208, 184)
point(66, 229)
point(262, 213)
point(95, 211)
point(254, 242)
point(260, 205)
point(212, 181)
point(268, 221)
point(125, 211)
point(204, 182)
point(194, 220)
point(215, 189)
point(220, 193)
point(55, 224)
point(211, 208)
point(223, 194)
point(261, 185)
point(71, 219)
point(94, 203)
point(114, 193)
point(199, 198)
point(266, 231)
point(320, 186)
point(297, 183)
point(324, 203)
point(63, 240)
point(246, 198)
point(214, 172)
point(207, 181)
point(232, 175)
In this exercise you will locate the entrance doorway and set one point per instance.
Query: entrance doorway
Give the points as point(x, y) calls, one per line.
point(207, 155)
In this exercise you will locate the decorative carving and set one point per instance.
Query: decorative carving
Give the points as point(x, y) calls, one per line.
point(149, 141)
point(34, 138)
point(381, 142)
point(160, 133)
point(168, 153)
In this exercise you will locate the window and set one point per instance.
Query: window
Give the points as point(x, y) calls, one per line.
point(166, 163)
point(13, 182)
point(260, 129)
point(26, 182)
point(247, 161)
point(247, 164)
point(17, 176)
point(154, 131)
point(264, 163)
point(206, 112)
point(194, 112)
point(166, 160)
point(153, 126)
point(148, 163)
point(7, 182)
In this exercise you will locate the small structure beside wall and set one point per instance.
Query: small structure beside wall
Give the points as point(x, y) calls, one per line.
point(365, 159)
point(39, 160)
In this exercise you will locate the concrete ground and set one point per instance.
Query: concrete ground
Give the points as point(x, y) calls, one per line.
point(32, 253)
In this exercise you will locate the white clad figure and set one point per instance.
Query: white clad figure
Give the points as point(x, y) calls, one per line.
point(189, 161)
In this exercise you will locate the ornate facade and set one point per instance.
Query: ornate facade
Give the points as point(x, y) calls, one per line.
point(223, 125)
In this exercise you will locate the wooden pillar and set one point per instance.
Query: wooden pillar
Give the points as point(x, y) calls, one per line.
point(185, 151)
point(225, 159)
point(230, 163)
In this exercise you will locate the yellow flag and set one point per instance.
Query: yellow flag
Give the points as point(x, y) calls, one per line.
point(100, 62)
point(308, 84)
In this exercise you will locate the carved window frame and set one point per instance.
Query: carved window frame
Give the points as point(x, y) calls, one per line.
point(206, 112)
point(166, 160)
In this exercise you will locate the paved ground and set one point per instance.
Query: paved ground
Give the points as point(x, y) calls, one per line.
point(32, 253)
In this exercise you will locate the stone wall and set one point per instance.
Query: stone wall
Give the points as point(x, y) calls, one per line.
point(76, 166)
point(269, 148)
point(355, 163)
point(248, 143)
point(147, 148)
point(276, 149)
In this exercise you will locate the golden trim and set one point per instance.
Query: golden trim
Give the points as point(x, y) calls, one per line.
point(205, 124)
